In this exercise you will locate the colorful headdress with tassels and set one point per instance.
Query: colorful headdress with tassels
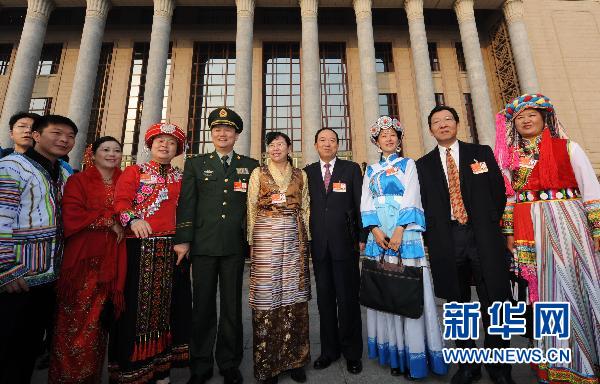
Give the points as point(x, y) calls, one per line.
point(507, 138)
point(385, 122)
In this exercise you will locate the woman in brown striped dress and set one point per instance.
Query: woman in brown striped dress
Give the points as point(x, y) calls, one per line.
point(278, 212)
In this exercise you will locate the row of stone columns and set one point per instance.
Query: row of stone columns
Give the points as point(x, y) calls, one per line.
point(38, 11)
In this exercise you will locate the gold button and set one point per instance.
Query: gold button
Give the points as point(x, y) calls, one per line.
point(224, 203)
point(223, 216)
point(224, 191)
point(206, 178)
point(226, 180)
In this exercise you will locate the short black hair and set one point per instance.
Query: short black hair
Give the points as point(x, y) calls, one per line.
point(270, 136)
point(21, 115)
point(337, 138)
point(40, 124)
point(99, 141)
point(438, 108)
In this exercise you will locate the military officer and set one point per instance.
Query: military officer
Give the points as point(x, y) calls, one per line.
point(211, 218)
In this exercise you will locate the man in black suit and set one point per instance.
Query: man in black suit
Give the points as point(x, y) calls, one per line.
point(463, 197)
point(335, 187)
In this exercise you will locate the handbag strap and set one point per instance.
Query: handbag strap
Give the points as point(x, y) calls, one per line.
point(382, 258)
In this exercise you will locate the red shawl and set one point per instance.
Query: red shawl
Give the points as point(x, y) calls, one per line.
point(88, 212)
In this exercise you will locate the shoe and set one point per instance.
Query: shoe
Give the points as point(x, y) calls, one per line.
point(354, 366)
point(395, 372)
point(466, 375)
point(232, 376)
point(200, 379)
point(298, 375)
point(322, 362)
point(503, 379)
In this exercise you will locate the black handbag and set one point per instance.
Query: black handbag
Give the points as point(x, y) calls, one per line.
point(393, 288)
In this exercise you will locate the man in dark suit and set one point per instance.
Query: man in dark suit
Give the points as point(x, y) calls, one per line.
point(210, 228)
point(463, 197)
point(335, 187)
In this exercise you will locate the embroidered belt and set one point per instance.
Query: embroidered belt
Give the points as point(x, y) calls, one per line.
point(548, 194)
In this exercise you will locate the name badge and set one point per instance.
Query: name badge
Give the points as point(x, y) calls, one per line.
point(148, 179)
point(339, 187)
point(391, 171)
point(526, 162)
point(278, 198)
point(479, 167)
point(242, 171)
point(240, 186)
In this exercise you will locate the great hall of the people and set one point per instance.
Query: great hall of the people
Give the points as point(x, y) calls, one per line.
point(115, 67)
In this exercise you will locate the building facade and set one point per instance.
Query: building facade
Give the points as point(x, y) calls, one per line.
point(296, 66)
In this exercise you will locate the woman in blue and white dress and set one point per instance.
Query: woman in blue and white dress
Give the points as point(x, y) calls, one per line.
point(391, 209)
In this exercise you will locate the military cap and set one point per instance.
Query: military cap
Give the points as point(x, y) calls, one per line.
point(225, 116)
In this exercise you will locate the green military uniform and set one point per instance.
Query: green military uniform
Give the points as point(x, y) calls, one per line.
point(211, 216)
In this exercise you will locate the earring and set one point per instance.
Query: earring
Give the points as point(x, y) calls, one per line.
point(379, 149)
point(398, 148)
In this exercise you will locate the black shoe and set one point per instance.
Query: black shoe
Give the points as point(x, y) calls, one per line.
point(503, 379)
point(298, 375)
point(322, 362)
point(395, 372)
point(354, 366)
point(466, 375)
point(200, 379)
point(232, 376)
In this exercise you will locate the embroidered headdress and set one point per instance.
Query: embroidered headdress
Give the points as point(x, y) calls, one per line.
point(385, 122)
point(166, 129)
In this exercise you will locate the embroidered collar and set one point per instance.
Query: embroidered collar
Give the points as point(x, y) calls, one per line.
point(282, 180)
point(390, 159)
point(530, 146)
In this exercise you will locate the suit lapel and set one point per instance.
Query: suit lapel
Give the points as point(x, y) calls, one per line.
point(215, 162)
point(465, 172)
point(438, 168)
point(337, 171)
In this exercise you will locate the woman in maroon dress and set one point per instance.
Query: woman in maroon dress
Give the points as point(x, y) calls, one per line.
point(90, 287)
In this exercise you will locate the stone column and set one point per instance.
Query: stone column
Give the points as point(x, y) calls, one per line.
point(368, 73)
point(311, 79)
point(422, 67)
point(155, 74)
point(484, 115)
point(84, 82)
point(22, 79)
point(243, 71)
point(519, 42)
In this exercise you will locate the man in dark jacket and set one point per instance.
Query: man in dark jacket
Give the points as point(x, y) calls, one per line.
point(463, 197)
point(335, 187)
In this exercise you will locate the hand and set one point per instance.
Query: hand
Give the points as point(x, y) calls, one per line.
point(17, 286)
point(362, 246)
point(182, 250)
point(380, 238)
point(118, 230)
point(510, 243)
point(141, 228)
point(396, 239)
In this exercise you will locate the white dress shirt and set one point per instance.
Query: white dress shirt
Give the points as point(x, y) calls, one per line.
point(454, 154)
point(331, 165)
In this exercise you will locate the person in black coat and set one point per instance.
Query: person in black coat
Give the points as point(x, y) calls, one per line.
point(463, 233)
point(335, 189)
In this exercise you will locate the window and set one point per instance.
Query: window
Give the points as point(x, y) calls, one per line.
point(439, 99)
point(334, 92)
point(434, 61)
point(471, 117)
point(384, 61)
point(213, 86)
point(5, 54)
point(100, 91)
point(281, 69)
point(49, 59)
point(41, 105)
point(388, 105)
point(135, 99)
point(460, 57)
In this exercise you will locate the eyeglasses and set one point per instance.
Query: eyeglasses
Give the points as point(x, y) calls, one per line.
point(436, 123)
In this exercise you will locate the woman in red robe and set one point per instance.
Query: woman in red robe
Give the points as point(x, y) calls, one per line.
point(153, 333)
point(90, 286)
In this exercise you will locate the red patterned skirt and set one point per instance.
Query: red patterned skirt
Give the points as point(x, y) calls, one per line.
point(153, 333)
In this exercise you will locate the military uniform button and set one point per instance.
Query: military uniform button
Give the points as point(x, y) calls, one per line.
point(206, 178)
point(226, 180)
point(223, 216)
point(224, 203)
point(224, 191)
